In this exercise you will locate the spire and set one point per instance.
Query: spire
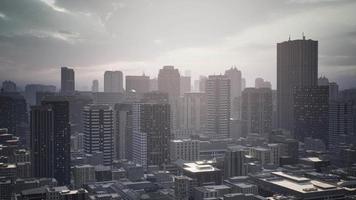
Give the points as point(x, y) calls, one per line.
point(289, 38)
point(303, 35)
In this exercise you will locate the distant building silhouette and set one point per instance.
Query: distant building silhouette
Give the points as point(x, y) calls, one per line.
point(67, 80)
point(297, 65)
point(261, 83)
point(113, 81)
point(169, 81)
point(95, 86)
point(185, 84)
point(140, 84)
point(9, 86)
point(256, 113)
point(235, 91)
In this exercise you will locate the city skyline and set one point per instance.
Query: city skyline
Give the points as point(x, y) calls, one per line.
point(130, 37)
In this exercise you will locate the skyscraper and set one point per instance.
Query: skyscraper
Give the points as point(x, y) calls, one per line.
point(151, 134)
point(67, 80)
point(98, 131)
point(311, 112)
point(42, 141)
point(235, 91)
point(185, 84)
point(8, 86)
point(141, 84)
point(61, 140)
point(113, 81)
point(297, 65)
point(256, 113)
point(261, 83)
point(235, 161)
point(14, 116)
point(95, 86)
point(123, 131)
point(218, 104)
point(169, 81)
point(194, 112)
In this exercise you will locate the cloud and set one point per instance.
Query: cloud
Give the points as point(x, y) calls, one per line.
point(142, 35)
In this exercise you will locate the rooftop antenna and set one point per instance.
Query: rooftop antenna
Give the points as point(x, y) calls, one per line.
point(303, 35)
point(289, 38)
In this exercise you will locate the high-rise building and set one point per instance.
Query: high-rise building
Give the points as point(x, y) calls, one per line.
point(140, 84)
point(32, 89)
point(61, 140)
point(256, 112)
point(218, 104)
point(311, 112)
point(202, 83)
point(185, 85)
point(67, 80)
point(153, 84)
point(8, 86)
point(169, 81)
point(83, 174)
point(123, 131)
point(297, 65)
point(113, 81)
point(261, 83)
point(333, 88)
point(235, 161)
point(235, 91)
point(98, 131)
point(13, 109)
point(151, 133)
point(95, 86)
point(185, 149)
point(194, 112)
point(42, 141)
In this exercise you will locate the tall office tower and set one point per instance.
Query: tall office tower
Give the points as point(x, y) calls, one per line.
point(256, 113)
point(185, 149)
point(243, 84)
point(61, 140)
point(218, 104)
point(153, 84)
point(235, 91)
point(98, 131)
point(194, 112)
point(297, 65)
point(185, 85)
point(151, 133)
point(13, 109)
point(67, 80)
point(95, 86)
point(261, 83)
point(9, 86)
point(333, 88)
point(123, 131)
point(342, 126)
point(169, 81)
point(156, 97)
point(42, 141)
point(32, 89)
point(202, 83)
point(113, 81)
point(141, 84)
point(235, 161)
point(311, 112)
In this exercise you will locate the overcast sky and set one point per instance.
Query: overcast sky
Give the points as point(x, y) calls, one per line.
point(203, 36)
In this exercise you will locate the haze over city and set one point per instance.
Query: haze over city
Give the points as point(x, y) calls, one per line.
point(203, 36)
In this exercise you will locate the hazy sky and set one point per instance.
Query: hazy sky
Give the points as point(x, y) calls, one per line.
point(136, 36)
